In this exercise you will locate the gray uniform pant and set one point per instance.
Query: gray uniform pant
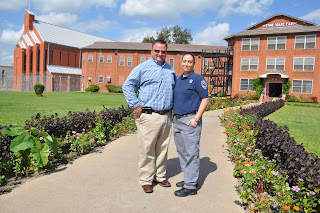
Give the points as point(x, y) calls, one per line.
point(187, 140)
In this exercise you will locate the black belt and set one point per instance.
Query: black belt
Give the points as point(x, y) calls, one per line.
point(149, 110)
point(185, 115)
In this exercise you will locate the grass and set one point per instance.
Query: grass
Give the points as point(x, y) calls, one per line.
point(303, 121)
point(17, 107)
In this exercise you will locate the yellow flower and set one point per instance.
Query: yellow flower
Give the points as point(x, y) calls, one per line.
point(286, 208)
point(296, 208)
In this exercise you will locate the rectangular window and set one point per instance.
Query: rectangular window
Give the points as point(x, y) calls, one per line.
point(302, 86)
point(100, 79)
point(129, 61)
point(101, 59)
point(83, 59)
point(275, 64)
point(142, 59)
point(205, 63)
point(90, 58)
point(171, 62)
point(109, 59)
point(249, 64)
point(246, 84)
point(305, 42)
point(250, 43)
point(303, 64)
point(277, 43)
point(121, 61)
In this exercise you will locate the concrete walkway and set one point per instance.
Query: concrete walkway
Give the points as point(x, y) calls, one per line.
point(107, 181)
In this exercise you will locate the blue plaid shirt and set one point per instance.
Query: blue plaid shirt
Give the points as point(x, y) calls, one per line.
point(154, 83)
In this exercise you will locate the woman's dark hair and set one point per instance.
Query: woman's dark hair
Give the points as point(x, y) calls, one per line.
point(160, 41)
point(194, 61)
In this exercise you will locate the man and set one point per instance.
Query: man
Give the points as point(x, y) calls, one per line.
point(154, 81)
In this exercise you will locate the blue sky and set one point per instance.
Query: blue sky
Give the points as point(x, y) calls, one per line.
point(131, 20)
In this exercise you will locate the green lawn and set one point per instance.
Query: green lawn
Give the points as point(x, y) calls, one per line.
point(303, 121)
point(17, 107)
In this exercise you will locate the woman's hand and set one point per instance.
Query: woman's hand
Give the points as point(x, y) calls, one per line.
point(193, 122)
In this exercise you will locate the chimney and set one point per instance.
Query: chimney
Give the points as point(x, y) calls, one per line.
point(28, 21)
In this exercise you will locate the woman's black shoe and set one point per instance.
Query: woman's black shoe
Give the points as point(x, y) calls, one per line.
point(185, 192)
point(180, 184)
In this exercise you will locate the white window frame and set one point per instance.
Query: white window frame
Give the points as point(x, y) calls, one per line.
point(304, 38)
point(101, 79)
point(301, 87)
point(142, 59)
point(90, 59)
point(122, 61)
point(303, 64)
point(101, 57)
point(249, 41)
point(129, 61)
point(206, 63)
point(109, 59)
point(276, 43)
point(171, 59)
point(83, 58)
point(250, 64)
point(277, 62)
point(248, 84)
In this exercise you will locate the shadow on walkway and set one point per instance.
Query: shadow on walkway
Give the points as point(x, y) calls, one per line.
point(206, 167)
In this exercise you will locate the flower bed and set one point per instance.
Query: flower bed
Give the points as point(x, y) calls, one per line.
point(270, 177)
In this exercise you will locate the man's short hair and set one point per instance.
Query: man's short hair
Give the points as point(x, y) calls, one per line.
point(159, 41)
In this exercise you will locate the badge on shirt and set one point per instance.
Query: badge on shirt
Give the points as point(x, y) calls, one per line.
point(190, 81)
point(204, 84)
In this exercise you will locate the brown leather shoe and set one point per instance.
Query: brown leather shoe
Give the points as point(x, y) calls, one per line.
point(147, 188)
point(164, 183)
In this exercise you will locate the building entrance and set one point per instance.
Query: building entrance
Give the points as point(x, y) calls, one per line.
point(275, 89)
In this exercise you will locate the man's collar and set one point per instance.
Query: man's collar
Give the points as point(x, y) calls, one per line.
point(157, 62)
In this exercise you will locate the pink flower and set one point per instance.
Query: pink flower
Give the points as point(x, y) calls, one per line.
point(313, 193)
point(275, 173)
point(92, 140)
point(78, 134)
point(66, 137)
point(301, 179)
point(74, 136)
point(41, 138)
point(295, 188)
point(278, 193)
point(59, 139)
point(251, 171)
point(89, 126)
point(263, 167)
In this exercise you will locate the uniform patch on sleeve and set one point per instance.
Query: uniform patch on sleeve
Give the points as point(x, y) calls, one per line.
point(204, 84)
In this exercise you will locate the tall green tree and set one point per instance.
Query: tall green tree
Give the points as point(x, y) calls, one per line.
point(174, 34)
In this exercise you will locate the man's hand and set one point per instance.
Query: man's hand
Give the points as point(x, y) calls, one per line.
point(193, 122)
point(137, 111)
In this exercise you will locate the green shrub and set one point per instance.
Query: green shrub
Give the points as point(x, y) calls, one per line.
point(286, 86)
point(305, 100)
point(114, 88)
point(93, 88)
point(292, 98)
point(38, 89)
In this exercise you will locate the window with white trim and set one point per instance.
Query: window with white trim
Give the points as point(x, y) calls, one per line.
point(109, 59)
point(142, 59)
point(302, 86)
point(275, 64)
point(171, 62)
point(305, 42)
point(101, 59)
point(205, 63)
point(90, 58)
point(249, 64)
point(277, 43)
point(129, 62)
point(246, 84)
point(303, 64)
point(122, 61)
point(83, 58)
point(101, 79)
point(250, 43)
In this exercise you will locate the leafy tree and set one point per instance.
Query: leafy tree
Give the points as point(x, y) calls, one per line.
point(173, 34)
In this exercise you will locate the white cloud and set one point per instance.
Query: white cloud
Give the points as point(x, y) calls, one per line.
point(70, 5)
point(160, 9)
point(312, 16)
point(10, 36)
point(59, 19)
point(137, 35)
point(212, 35)
point(13, 4)
point(94, 25)
point(6, 58)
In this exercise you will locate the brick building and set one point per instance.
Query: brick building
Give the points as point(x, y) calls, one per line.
point(278, 48)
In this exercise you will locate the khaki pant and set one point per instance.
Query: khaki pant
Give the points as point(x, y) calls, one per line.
point(154, 131)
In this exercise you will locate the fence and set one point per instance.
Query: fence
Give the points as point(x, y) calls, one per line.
point(52, 83)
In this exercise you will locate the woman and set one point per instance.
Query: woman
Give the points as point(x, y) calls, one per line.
point(189, 102)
